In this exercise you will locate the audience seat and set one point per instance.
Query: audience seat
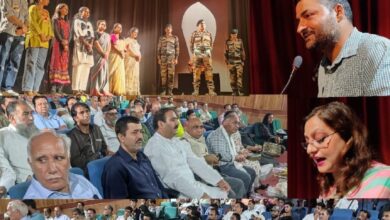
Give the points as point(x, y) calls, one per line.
point(166, 204)
point(342, 214)
point(267, 215)
point(95, 171)
point(374, 214)
point(213, 114)
point(206, 133)
point(120, 212)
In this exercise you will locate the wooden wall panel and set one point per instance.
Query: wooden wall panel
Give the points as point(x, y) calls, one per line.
point(254, 106)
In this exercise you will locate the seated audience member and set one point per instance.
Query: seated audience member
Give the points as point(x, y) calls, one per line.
point(287, 209)
point(33, 212)
point(205, 115)
point(138, 112)
point(128, 215)
point(194, 135)
point(169, 103)
point(264, 131)
point(251, 211)
point(65, 114)
point(235, 216)
point(99, 117)
point(226, 107)
point(363, 215)
point(43, 119)
point(16, 210)
point(213, 214)
point(108, 128)
point(156, 106)
point(241, 115)
point(91, 214)
point(190, 114)
point(178, 173)
point(183, 107)
point(129, 173)
point(220, 142)
point(48, 156)
point(77, 214)
point(13, 142)
point(385, 212)
point(239, 208)
point(58, 214)
point(108, 213)
point(4, 101)
point(316, 214)
point(47, 213)
point(275, 212)
point(87, 140)
point(325, 214)
point(94, 105)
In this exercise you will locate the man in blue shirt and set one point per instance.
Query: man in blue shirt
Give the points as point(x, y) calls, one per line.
point(129, 173)
point(43, 119)
point(48, 156)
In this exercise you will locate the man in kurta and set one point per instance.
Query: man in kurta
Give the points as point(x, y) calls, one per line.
point(167, 55)
point(176, 164)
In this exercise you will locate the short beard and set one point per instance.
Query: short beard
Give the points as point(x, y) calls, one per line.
point(27, 131)
point(327, 37)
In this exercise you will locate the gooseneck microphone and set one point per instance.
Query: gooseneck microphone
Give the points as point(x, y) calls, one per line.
point(296, 64)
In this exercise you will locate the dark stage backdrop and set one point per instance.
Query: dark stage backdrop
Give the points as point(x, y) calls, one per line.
point(274, 44)
point(151, 16)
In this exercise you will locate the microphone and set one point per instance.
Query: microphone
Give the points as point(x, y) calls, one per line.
point(296, 64)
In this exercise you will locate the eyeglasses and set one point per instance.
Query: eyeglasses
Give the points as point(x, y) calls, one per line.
point(319, 144)
point(198, 126)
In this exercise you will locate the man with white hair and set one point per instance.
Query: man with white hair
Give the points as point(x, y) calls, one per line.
point(13, 145)
point(49, 158)
point(16, 210)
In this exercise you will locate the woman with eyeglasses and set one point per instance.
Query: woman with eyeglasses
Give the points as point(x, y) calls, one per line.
point(336, 140)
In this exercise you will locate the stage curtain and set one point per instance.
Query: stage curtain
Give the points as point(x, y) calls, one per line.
point(149, 16)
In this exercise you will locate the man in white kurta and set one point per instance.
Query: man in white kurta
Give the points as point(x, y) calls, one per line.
point(13, 145)
point(176, 164)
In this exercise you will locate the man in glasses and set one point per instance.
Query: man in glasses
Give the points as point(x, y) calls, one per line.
point(194, 130)
point(108, 128)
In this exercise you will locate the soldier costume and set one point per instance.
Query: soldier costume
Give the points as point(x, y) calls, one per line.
point(235, 58)
point(201, 45)
point(167, 55)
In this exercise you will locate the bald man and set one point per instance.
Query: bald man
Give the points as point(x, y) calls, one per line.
point(49, 158)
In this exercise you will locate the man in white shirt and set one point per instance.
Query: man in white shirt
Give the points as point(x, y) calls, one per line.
point(176, 164)
point(58, 214)
point(13, 145)
point(108, 128)
point(99, 117)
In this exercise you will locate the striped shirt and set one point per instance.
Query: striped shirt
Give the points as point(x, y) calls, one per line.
point(362, 68)
point(375, 183)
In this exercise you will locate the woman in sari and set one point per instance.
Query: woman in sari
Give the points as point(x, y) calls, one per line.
point(99, 73)
point(116, 62)
point(132, 59)
point(58, 75)
point(336, 140)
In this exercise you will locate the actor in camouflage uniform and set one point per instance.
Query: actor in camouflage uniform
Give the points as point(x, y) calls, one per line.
point(235, 58)
point(167, 55)
point(201, 45)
